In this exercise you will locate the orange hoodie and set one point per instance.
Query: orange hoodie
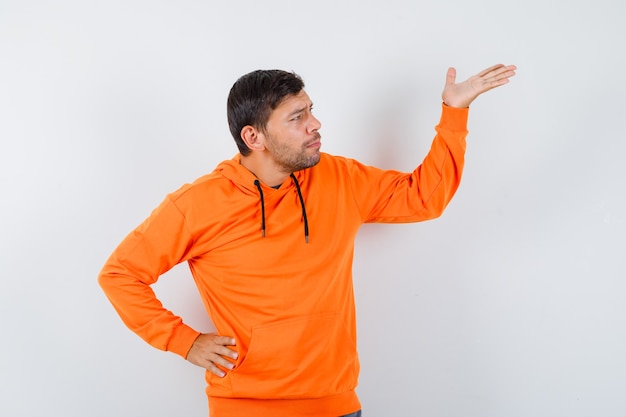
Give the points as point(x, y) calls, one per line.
point(288, 302)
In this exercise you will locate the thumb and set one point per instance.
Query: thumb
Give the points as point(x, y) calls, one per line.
point(450, 76)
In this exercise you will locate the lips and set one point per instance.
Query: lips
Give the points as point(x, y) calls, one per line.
point(315, 143)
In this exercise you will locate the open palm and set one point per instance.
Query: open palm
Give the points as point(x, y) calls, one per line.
point(462, 94)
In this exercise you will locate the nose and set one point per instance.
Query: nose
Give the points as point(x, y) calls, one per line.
point(314, 124)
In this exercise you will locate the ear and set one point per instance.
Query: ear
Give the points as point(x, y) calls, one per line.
point(252, 138)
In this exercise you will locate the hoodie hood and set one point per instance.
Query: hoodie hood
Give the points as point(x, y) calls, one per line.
point(244, 179)
point(247, 182)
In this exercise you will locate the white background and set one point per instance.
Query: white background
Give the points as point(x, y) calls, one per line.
point(513, 303)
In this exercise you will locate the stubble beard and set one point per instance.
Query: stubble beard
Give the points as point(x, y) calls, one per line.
point(290, 160)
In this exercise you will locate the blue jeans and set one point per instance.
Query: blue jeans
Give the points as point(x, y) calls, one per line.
point(357, 414)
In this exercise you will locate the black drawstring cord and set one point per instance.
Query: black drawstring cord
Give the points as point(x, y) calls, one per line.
point(257, 183)
point(258, 186)
point(306, 222)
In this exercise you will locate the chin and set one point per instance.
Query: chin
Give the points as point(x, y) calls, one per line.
point(315, 160)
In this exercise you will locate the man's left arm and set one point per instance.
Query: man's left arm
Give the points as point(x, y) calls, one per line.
point(388, 196)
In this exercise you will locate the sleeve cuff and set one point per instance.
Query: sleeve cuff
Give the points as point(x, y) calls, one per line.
point(182, 340)
point(454, 118)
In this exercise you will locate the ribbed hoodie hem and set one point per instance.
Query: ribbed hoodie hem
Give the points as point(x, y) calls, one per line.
point(332, 406)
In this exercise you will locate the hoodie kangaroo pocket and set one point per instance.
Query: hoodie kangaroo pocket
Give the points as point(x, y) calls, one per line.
point(306, 357)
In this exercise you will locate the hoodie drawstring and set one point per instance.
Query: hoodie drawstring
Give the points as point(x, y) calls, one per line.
point(306, 222)
point(258, 186)
point(257, 183)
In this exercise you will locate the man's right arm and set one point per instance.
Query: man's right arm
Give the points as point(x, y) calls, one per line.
point(160, 242)
point(150, 250)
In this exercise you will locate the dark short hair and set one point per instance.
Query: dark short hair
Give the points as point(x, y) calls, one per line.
point(254, 96)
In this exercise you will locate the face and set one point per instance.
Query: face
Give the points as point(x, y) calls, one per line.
point(291, 134)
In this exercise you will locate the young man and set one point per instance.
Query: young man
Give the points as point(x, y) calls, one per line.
point(269, 239)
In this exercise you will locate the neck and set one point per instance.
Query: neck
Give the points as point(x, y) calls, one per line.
point(268, 174)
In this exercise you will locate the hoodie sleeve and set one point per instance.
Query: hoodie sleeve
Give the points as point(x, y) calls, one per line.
point(394, 197)
point(158, 244)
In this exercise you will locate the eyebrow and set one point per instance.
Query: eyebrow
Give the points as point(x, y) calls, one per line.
point(300, 110)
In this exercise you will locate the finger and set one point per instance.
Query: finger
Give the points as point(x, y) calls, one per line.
point(227, 352)
point(488, 70)
point(501, 80)
point(451, 76)
point(224, 341)
point(491, 84)
point(501, 72)
point(498, 77)
point(508, 72)
point(220, 361)
point(215, 370)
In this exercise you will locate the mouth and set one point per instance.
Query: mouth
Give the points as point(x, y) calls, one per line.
point(315, 143)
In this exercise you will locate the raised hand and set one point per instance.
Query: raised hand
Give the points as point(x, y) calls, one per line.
point(462, 94)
